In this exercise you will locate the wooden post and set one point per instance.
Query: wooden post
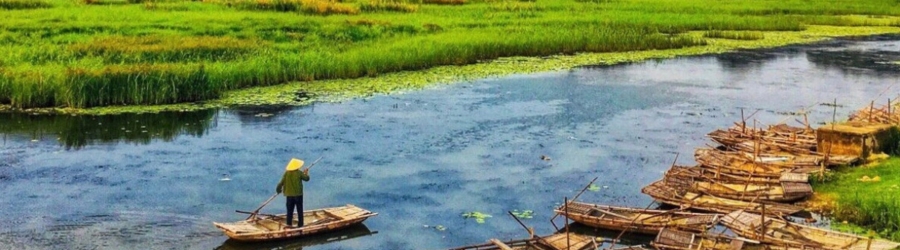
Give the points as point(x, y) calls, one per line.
point(871, 109)
point(762, 220)
point(869, 244)
point(743, 122)
point(566, 209)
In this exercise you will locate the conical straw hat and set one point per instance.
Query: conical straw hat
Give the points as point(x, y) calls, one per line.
point(294, 164)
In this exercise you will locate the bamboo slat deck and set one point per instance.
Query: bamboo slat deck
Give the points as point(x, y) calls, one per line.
point(645, 221)
point(551, 242)
point(740, 163)
point(721, 177)
point(678, 195)
point(671, 239)
point(778, 138)
point(272, 227)
point(782, 233)
point(780, 192)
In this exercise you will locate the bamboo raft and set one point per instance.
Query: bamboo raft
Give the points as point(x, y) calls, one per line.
point(645, 221)
point(780, 137)
point(780, 192)
point(782, 233)
point(678, 194)
point(722, 177)
point(671, 239)
point(886, 114)
point(559, 241)
point(740, 163)
point(264, 227)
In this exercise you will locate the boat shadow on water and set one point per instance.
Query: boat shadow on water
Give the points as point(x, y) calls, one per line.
point(351, 232)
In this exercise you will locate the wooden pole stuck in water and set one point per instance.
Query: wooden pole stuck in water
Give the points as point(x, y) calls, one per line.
point(566, 208)
point(871, 109)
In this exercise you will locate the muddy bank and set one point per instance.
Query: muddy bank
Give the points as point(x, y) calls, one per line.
point(419, 159)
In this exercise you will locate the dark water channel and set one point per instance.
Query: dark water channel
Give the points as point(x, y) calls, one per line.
point(419, 159)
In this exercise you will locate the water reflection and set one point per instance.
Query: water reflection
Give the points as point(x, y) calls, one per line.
point(75, 132)
point(352, 232)
point(857, 63)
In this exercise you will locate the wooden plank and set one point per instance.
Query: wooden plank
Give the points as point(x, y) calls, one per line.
point(500, 244)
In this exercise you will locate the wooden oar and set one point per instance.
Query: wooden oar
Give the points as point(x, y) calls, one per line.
point(253, 214)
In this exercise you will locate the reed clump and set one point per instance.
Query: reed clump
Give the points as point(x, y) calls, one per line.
point(138, 49)
point(137, 84)
point(735, 35)
point(445, 2)
point(23, 4)
point(397, 6)
point(319, 7)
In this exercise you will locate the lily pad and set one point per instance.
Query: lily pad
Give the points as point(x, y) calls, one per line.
point(524, 214)
point(478, 216)
point(594, 188)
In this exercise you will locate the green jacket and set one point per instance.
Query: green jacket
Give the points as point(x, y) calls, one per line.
point(291, 183)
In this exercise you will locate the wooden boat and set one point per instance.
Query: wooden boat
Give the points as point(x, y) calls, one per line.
point(740, 163)
point(781, 192)
point(351, 232)
point(884, 114)
point(678, 194)
point(551, 242)
point(672, 239)
point(645, 221)
point(779, 232)
point(712, 174)
point(272, 227)
point(778, 138)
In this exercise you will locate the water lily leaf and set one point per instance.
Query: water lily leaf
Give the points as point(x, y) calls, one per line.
point(478, 216)
point(524, 214)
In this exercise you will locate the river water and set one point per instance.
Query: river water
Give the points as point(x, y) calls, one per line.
point(419, 159)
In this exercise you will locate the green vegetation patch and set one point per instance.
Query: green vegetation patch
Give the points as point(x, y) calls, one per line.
point(255, 43)
point(868, 196)
point(479, 217)
point(736, 35)
point(154, 48)
point(23, 4)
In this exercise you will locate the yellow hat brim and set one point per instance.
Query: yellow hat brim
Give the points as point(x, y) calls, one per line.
point(294, 164)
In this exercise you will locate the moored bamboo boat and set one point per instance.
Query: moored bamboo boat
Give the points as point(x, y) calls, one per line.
point(559, 241)
point(712, 174)
point(777, 138)
point(671, 239)
point(780, 192)
point(740, 163)
point(780, 232)
point(678, 194)
point(264, 227)
point(647, 221)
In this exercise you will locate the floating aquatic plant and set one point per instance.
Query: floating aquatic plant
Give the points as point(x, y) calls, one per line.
point(524, 214)
point(478, 216)
point(594, 188)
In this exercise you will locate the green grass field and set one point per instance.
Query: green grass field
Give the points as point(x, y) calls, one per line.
point(87, 53)
point(857, 198)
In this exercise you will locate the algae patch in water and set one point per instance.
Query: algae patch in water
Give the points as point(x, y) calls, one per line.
point(524, 214)
point(478, 216)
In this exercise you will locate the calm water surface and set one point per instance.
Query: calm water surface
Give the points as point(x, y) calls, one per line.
point(419, 159)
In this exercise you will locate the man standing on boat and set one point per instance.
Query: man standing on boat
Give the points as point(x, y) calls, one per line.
point(292, 184)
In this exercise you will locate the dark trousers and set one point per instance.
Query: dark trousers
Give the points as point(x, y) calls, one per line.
point(292, 202)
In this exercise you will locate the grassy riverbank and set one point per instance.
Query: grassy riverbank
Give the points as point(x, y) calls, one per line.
point(868, 196)
point(86, 53)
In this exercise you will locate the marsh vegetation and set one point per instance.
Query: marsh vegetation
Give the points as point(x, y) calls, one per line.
point(85, 53)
